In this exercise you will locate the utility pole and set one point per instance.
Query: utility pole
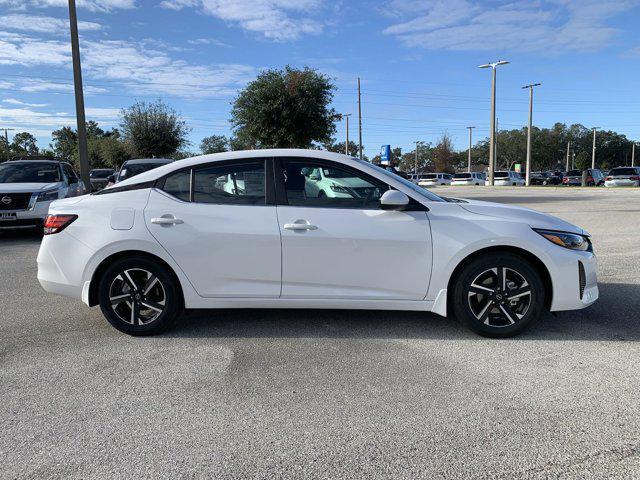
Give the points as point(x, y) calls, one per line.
point(633, 154)
point(6, 139)
point(359, 120)
point(492, 140)
point(495, 151)
point(593, 152)
point(568, 148)
point(346, 145)
point(77, 78)
point(469, 156)
point(528, 167)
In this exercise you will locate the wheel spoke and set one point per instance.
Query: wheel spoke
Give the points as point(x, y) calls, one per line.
point(118, 299)
point(519, 292)
point(509, 313)
point(483, 316)
point(151, 281)
point(134, 313)
point(474, 288)
point(129, 281)
point(152, 305)
point(502, 278)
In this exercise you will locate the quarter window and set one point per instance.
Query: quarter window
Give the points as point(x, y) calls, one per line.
point(179, 185)
point(313, 184)
point(230, 184)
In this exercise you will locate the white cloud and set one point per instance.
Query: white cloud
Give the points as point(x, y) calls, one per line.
point(549, 25)
point(279, 20)
point(14, 101)
point(92, 5)
point(38, 85)
point(42, 24)
point(18, 49)
point(207, 41)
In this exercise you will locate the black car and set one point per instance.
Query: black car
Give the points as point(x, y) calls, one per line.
point(134, 167)
point(99, 178)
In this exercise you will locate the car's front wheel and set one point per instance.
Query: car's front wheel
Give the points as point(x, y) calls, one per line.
point(139, 296)
point(498, 295)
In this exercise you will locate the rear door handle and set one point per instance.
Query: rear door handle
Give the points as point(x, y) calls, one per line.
point(166, 220)
point(299, 225)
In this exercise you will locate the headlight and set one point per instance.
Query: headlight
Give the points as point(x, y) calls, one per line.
point(338, 188)
point(48, 195)
point(572, 241)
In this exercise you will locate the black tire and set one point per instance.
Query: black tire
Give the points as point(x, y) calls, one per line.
point(163, 294)
point(495, 316)
point(321, 194)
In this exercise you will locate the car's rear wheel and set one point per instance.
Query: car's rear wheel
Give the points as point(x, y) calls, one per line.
point(139, 297)
point(498, 295)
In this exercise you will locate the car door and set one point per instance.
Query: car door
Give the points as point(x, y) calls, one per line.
point(340, 244)
point(219, 223)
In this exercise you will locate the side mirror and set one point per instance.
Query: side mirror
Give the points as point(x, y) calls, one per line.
point(393, 200)
point(111, 178)
point(73, 180)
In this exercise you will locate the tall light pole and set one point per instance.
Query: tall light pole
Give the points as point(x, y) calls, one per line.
point(77, 78)
point(633, 154)
point(359, 120)
point(528, 167)
point(568, 149)
point(469, 157)
point(593, 152)
point(415, 166)
point(6, 139)
point(346, 145)
point(492, 140)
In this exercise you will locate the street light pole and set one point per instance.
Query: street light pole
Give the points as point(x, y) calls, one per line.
point(593, 151)
point(528, 167)
point(469, 156)
point(346, 145)
point(493, 116)
point(568, 149)
point(77, 77)
point(359, 120)
point(633, 154)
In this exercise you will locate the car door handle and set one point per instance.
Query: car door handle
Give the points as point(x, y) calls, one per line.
point(166, 220)
point(299, 225)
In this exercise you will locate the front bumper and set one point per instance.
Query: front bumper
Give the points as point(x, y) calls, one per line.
point(568, 294)
point(27, 218)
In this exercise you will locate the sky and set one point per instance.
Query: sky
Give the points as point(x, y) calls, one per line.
point(417, 60)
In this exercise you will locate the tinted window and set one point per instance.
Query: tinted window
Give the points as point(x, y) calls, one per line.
point(131, 170)
point(318, 185)
point(230, 184)
point(574, 173)
point(29, 172)
point(461, 175)
point(71, 175)
point(179, 185)
point(623, 171)
point(100, 173)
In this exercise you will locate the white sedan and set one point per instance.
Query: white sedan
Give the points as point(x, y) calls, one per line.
point(242, 230)
point(623, 177)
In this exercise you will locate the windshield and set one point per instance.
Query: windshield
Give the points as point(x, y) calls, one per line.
point(132, 170)
point(412, 186)
point(501, 174)
point(429, 176)
point(333, 173)
point(623, 171)
point(100, 173)
point(461, 175)
point(574, 173)
point(29, 173)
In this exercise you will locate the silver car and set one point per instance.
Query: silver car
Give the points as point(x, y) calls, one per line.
point(623, 177)
point(27, 187)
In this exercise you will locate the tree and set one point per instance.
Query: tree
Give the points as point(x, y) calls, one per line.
point(23, 144)
point(65, 143)
point(339, 148)
point(285, 108)
point(214, 144)
point(583, 160)
point(443, 154)
point(5, 153)
point(407, 162)
point(153, 129)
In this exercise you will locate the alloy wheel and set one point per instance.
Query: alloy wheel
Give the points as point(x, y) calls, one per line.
point(499, 297)
point(137, 296)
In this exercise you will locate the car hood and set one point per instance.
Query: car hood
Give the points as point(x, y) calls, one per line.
point(349, 182)
point(28, 187)
point(519, 214)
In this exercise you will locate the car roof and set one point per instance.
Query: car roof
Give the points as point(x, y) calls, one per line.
point(163, 170)
point(148, 160)
point(57, 162)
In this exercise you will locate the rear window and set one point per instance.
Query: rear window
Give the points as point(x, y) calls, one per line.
point(131, 170)
point(430, 176)
point(100, 173)
point(461, 175)
point(574, 173)
point(501, 174)
point(623, 171)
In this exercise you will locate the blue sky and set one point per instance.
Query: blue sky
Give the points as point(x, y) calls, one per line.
point(417, 61)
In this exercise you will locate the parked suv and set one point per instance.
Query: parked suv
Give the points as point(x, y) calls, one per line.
point(99, 177)
point(468, 178)
point(595, 178)
point(623, 177)
point(433, 179)
point(507, 178)
point(27, 187)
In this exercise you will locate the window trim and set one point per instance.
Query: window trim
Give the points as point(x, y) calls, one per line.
point(281, 193)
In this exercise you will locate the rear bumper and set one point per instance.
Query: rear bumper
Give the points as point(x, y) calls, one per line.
point(621, 183)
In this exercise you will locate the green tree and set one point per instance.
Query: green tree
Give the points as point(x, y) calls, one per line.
point(64, 143)
point(23, 144)
point(339, 148)
point(153, 129)
point(5, 149)
point(214, 144)
point(407, 162)
point(287, 108)
point(443, 154)
point(583, 160)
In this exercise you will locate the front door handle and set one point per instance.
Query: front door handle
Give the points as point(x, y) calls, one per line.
point(166, 220)
point(299, 225)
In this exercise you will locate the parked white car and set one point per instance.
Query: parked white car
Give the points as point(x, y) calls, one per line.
point(623, 177)
point(468, 179)
point(175, 237)
point(507, 179)
point(27, 188)
point(434, 179)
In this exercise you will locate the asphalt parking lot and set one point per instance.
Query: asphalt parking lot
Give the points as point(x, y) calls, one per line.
point(329, 394)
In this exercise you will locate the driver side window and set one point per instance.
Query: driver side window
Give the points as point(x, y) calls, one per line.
point(327, 185)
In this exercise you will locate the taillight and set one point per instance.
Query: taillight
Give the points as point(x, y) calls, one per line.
point(57, 223)
point(589, 179)
point(608, 179)
point(634, 178)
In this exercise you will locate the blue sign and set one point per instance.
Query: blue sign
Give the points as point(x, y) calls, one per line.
point(385, 154)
